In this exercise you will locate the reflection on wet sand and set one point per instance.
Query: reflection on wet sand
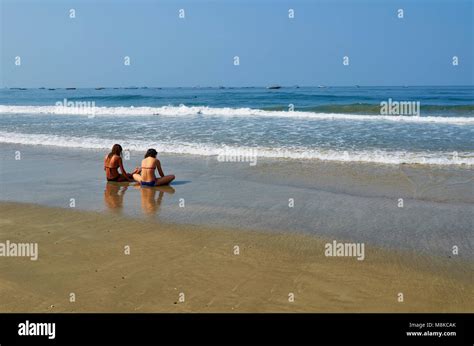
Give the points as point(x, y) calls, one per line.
point(150, 202)
point(115, 192)
point(113, 196)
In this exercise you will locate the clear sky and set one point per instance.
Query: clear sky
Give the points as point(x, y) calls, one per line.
point(164, 50)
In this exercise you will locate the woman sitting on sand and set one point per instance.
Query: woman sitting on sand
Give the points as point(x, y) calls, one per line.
point(112, 162)
point(146, 176)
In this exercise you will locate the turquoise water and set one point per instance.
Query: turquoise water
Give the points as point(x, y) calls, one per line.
point(326, 123)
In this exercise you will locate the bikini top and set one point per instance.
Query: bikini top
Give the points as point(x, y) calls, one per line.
point(150, 167)
point(109, 167)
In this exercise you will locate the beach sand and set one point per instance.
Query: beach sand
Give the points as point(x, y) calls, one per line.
point(182, 237)
point(84, 253)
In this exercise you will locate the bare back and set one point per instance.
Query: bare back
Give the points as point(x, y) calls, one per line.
point(147, 175)
point(149, 165)
point(111, 166)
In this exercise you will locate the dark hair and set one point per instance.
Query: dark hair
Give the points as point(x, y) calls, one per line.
point(116, 150)
point(151, 152)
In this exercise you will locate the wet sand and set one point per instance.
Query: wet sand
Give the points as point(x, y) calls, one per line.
point(83, 252)
point(344, 201)
point(182, 237)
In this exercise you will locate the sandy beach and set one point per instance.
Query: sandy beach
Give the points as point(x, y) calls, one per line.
point(184, 259)
point(291, 172)
point(83, 253)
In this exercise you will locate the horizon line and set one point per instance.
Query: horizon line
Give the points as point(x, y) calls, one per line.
point(270, 87)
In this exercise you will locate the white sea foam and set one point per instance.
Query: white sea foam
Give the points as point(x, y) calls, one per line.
point(372, 156)
point(182, 110)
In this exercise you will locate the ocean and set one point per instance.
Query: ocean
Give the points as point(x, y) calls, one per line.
point(387, 125)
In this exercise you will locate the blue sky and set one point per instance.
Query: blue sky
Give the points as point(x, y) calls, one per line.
point(164, 50)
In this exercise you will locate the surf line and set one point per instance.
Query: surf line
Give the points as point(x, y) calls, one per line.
point(11, 249)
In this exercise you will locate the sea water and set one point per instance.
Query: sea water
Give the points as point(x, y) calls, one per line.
point(325, 123)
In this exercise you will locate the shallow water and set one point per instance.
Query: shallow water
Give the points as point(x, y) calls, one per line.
point(347, 202)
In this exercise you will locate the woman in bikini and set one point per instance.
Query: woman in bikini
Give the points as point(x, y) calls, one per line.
point(112, 162)
point(146, 177)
